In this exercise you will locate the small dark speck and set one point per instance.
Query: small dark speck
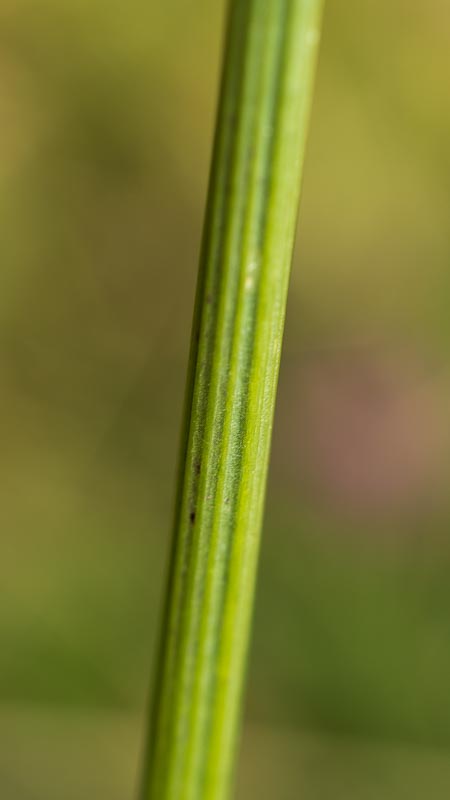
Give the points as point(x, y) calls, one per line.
point(198, 466)
point(227, 500)
point(192, 516)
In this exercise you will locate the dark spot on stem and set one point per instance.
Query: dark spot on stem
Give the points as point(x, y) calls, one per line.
point(192, 517)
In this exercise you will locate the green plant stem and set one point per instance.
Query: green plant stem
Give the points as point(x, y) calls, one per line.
point(249, 233)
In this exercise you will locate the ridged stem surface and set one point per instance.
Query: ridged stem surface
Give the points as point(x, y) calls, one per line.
point(270, 54)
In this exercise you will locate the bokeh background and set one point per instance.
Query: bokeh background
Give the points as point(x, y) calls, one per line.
point(106, 115)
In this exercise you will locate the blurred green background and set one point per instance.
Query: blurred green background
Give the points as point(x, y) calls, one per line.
point(106, 114)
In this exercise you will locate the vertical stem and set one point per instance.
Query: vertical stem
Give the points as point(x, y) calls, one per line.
point(249, 233)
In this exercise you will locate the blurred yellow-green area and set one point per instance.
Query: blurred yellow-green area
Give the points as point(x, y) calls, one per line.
point(107, 114)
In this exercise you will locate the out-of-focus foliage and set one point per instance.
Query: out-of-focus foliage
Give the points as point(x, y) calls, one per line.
point(106, 122)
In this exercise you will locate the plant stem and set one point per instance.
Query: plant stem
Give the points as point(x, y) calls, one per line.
point(249, 233)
